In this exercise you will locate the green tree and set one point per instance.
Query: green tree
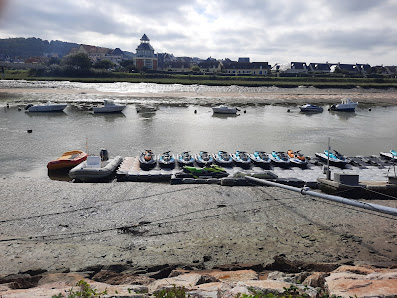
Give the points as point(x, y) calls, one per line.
point(104, 64)
point(78, 61)
point(196, 68)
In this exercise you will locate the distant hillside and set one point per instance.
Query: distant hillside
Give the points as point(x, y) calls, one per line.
point(28, 47)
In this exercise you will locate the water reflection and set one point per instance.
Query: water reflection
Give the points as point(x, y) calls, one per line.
point(47, 114)
point(224, 116)
point(343, 115)
point(109, 117)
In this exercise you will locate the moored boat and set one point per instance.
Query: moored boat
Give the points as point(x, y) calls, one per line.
point(204, 159)
point(297, 158)
point(241, 158)
point(311, 108)
point(109, 107)
point(223, 158)
point(68, 160)
point(185, 159)
point(261, 158)
point(335, 158)
point(392, 154)
point(95, 169)
point(279, 159)
point(147, 160)
point(47, 107)
point(346, 105)
point(166, 160)
point(224, 110)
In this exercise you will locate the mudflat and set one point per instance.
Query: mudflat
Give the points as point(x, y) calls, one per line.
point(55, 225)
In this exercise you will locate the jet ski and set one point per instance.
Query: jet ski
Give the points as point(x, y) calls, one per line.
point(392, 154)
point(335, 158)
point(185, 159)
point(260, 158)
point(297, 158)
point(280, 159)
point(204, 158)
point(147, 160)
point(212, 171)
point(223, 158)
point(241, 158)
point(166, 160)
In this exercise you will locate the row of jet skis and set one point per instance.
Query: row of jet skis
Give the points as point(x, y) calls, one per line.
point(149, 160)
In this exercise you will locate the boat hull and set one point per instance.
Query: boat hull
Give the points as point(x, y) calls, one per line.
point(85, 174)
point(224, 110)
point(68, 160)
point(47, 108)
point(332, 161)
point(107, 109)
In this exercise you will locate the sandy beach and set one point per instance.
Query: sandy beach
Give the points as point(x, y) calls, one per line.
point(56, 225)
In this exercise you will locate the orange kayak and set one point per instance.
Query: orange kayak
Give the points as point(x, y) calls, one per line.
point(69, 159)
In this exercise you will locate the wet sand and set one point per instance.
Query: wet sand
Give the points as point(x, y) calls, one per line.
point(56, 225)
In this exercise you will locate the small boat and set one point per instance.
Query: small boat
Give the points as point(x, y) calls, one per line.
point(297, 158)
point(109, 107)
point(346, 105)
point(145, 108)
point(204, 158)
point(241, 158)
point(335, 158)
point(185, 159)
point(260, 158)
point(166, 160)
point(224, 110)
point(223, 158)
point(392, 154)
point(95, 169)
point(311, 108)
point(68, 160)
point(147, 160)
point(280, 159)
point(48, 107)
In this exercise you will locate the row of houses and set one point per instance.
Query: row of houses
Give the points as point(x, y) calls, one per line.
point(146, 59)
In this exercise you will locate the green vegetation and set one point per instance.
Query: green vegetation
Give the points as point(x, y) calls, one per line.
point(174, 292)
point(85, 291)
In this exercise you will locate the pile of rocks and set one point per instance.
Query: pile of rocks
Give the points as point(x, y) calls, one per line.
point(282, 276)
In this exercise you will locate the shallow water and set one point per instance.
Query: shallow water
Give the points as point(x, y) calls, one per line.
point(175, 126)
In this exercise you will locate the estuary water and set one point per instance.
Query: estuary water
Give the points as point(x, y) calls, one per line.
point(269, 120)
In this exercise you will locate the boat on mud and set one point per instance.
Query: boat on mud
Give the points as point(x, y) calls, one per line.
point(241, 158)
point(223, 158)
point(335, 158)
point(96, 168)
point(261, 158)
point(204, 159)
point(296, 158)
point(224, 110)
point(147, 160)
point(68, 160)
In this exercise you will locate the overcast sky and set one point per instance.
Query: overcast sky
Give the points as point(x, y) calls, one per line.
point(274, 31)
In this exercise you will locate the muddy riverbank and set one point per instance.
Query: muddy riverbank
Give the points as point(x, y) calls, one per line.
point(56, 225)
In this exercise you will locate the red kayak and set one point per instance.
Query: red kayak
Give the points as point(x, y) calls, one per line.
point(69, 159)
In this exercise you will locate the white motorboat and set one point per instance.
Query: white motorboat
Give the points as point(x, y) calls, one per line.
point(47, 107)
point(224, 110)
point(95, 169)
point(389, 155)
point(311, 108)
point(109, 107)
point(346, 105)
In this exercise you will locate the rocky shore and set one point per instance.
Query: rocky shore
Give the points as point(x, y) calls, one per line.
point(282, 277)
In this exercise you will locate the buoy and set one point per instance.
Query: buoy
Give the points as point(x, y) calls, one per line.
point(29, 130)
point(19, 109)
point(369, 109)
point(288, 110)
point(195, 111)
point(8, 106)
point(245, 111)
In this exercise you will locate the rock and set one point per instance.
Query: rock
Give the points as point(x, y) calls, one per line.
point(265, 286)
point(367, 282)
point(187, 281)
point(316, 279)
point(115, 278)
point(177, 272)
point(214, 289)
point(234, 276)
point(235, 267)
point(288, 277)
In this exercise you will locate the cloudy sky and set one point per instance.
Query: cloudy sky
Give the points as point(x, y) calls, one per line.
point(275, 31)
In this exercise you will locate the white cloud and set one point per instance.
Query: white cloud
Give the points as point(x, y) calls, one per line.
point(348, 31)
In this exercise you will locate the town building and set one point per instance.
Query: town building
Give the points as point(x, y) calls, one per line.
point(247, 68)
point(145, 57)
